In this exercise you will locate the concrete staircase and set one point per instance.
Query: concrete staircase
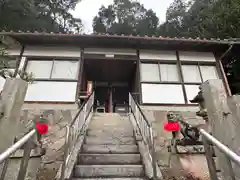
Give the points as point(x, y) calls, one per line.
point(109, 151)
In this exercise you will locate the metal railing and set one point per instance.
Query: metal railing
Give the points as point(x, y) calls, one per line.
point(146, 131)
point(74, 130)
point(25, 141)
point(209, 141)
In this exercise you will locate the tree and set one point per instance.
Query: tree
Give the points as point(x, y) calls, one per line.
point(125, 17)
point(39, 15)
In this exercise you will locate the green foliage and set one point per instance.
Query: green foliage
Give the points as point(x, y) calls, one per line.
point(125, 17)
point(6, 73)
point(202, 18)
point(3, 52)
point(29, 77)
point(4, 58)
point(39, 15)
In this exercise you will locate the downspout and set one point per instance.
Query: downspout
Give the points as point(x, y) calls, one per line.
point(226, 52)
point(229, 93)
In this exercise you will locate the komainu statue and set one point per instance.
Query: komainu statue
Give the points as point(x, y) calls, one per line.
point(200, 100)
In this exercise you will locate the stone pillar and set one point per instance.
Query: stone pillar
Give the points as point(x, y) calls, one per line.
point(224, 121)
point(12, 99)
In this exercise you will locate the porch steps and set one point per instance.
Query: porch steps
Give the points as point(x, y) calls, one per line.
point(110, 158)
point(109, 151)
point(110, 178)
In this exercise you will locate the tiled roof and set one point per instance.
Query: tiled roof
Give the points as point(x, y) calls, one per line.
point(183, 39)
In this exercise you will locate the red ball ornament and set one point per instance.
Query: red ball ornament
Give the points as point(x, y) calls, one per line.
point(172, 126)
point(41, 125)
point(42, 128)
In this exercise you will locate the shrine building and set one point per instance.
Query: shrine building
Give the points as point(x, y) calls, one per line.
point(159, 71)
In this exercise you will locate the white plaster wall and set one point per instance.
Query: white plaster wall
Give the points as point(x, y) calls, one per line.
point(162, 93)
point(43, 106)
point(157, 55)
point(51, 91)
point(57, 51)
point(171, 108)
point(14, 51)
point(110, 51)
point(196, 56)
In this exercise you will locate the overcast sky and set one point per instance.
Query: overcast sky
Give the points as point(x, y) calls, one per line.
point(87, 9)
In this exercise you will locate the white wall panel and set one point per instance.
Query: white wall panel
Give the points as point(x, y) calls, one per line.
point(65, 70)
point(162, 93)
point(196, 56)
point(51, 91)
point(191, 73)
point(109, 51)
point(191, 91)
point(150, 72)
point(40, 69)
point(14, 51)
point(52, 51)
point(169, 72)
point(209, 72)
point(157, 55)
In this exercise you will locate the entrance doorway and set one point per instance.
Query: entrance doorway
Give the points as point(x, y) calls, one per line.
point(112, 81)
point(111, 97)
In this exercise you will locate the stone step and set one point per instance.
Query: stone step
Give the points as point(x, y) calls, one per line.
point(110, 140)
point(109, 133)
point(110, 121)
point(109, 159)
point(112, 128)
point(108, 115)
point(117, 125)
point(109, 179)
point(110, 149)
point(109, 171)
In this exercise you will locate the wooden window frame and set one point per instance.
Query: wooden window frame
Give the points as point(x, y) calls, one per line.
point(53, 59)
point(159, 62)
point(198, 64)
point(179, 64)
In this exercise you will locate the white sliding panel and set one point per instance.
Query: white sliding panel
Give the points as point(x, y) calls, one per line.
point(65, 70)
point(158, 55)
point(150, 72)
point(191, 91)
point(51, 91)
point(209, 72)
point(196, 56)
point(169, 72)
point(191, 73)
point(40, 69)
point(162, 93)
